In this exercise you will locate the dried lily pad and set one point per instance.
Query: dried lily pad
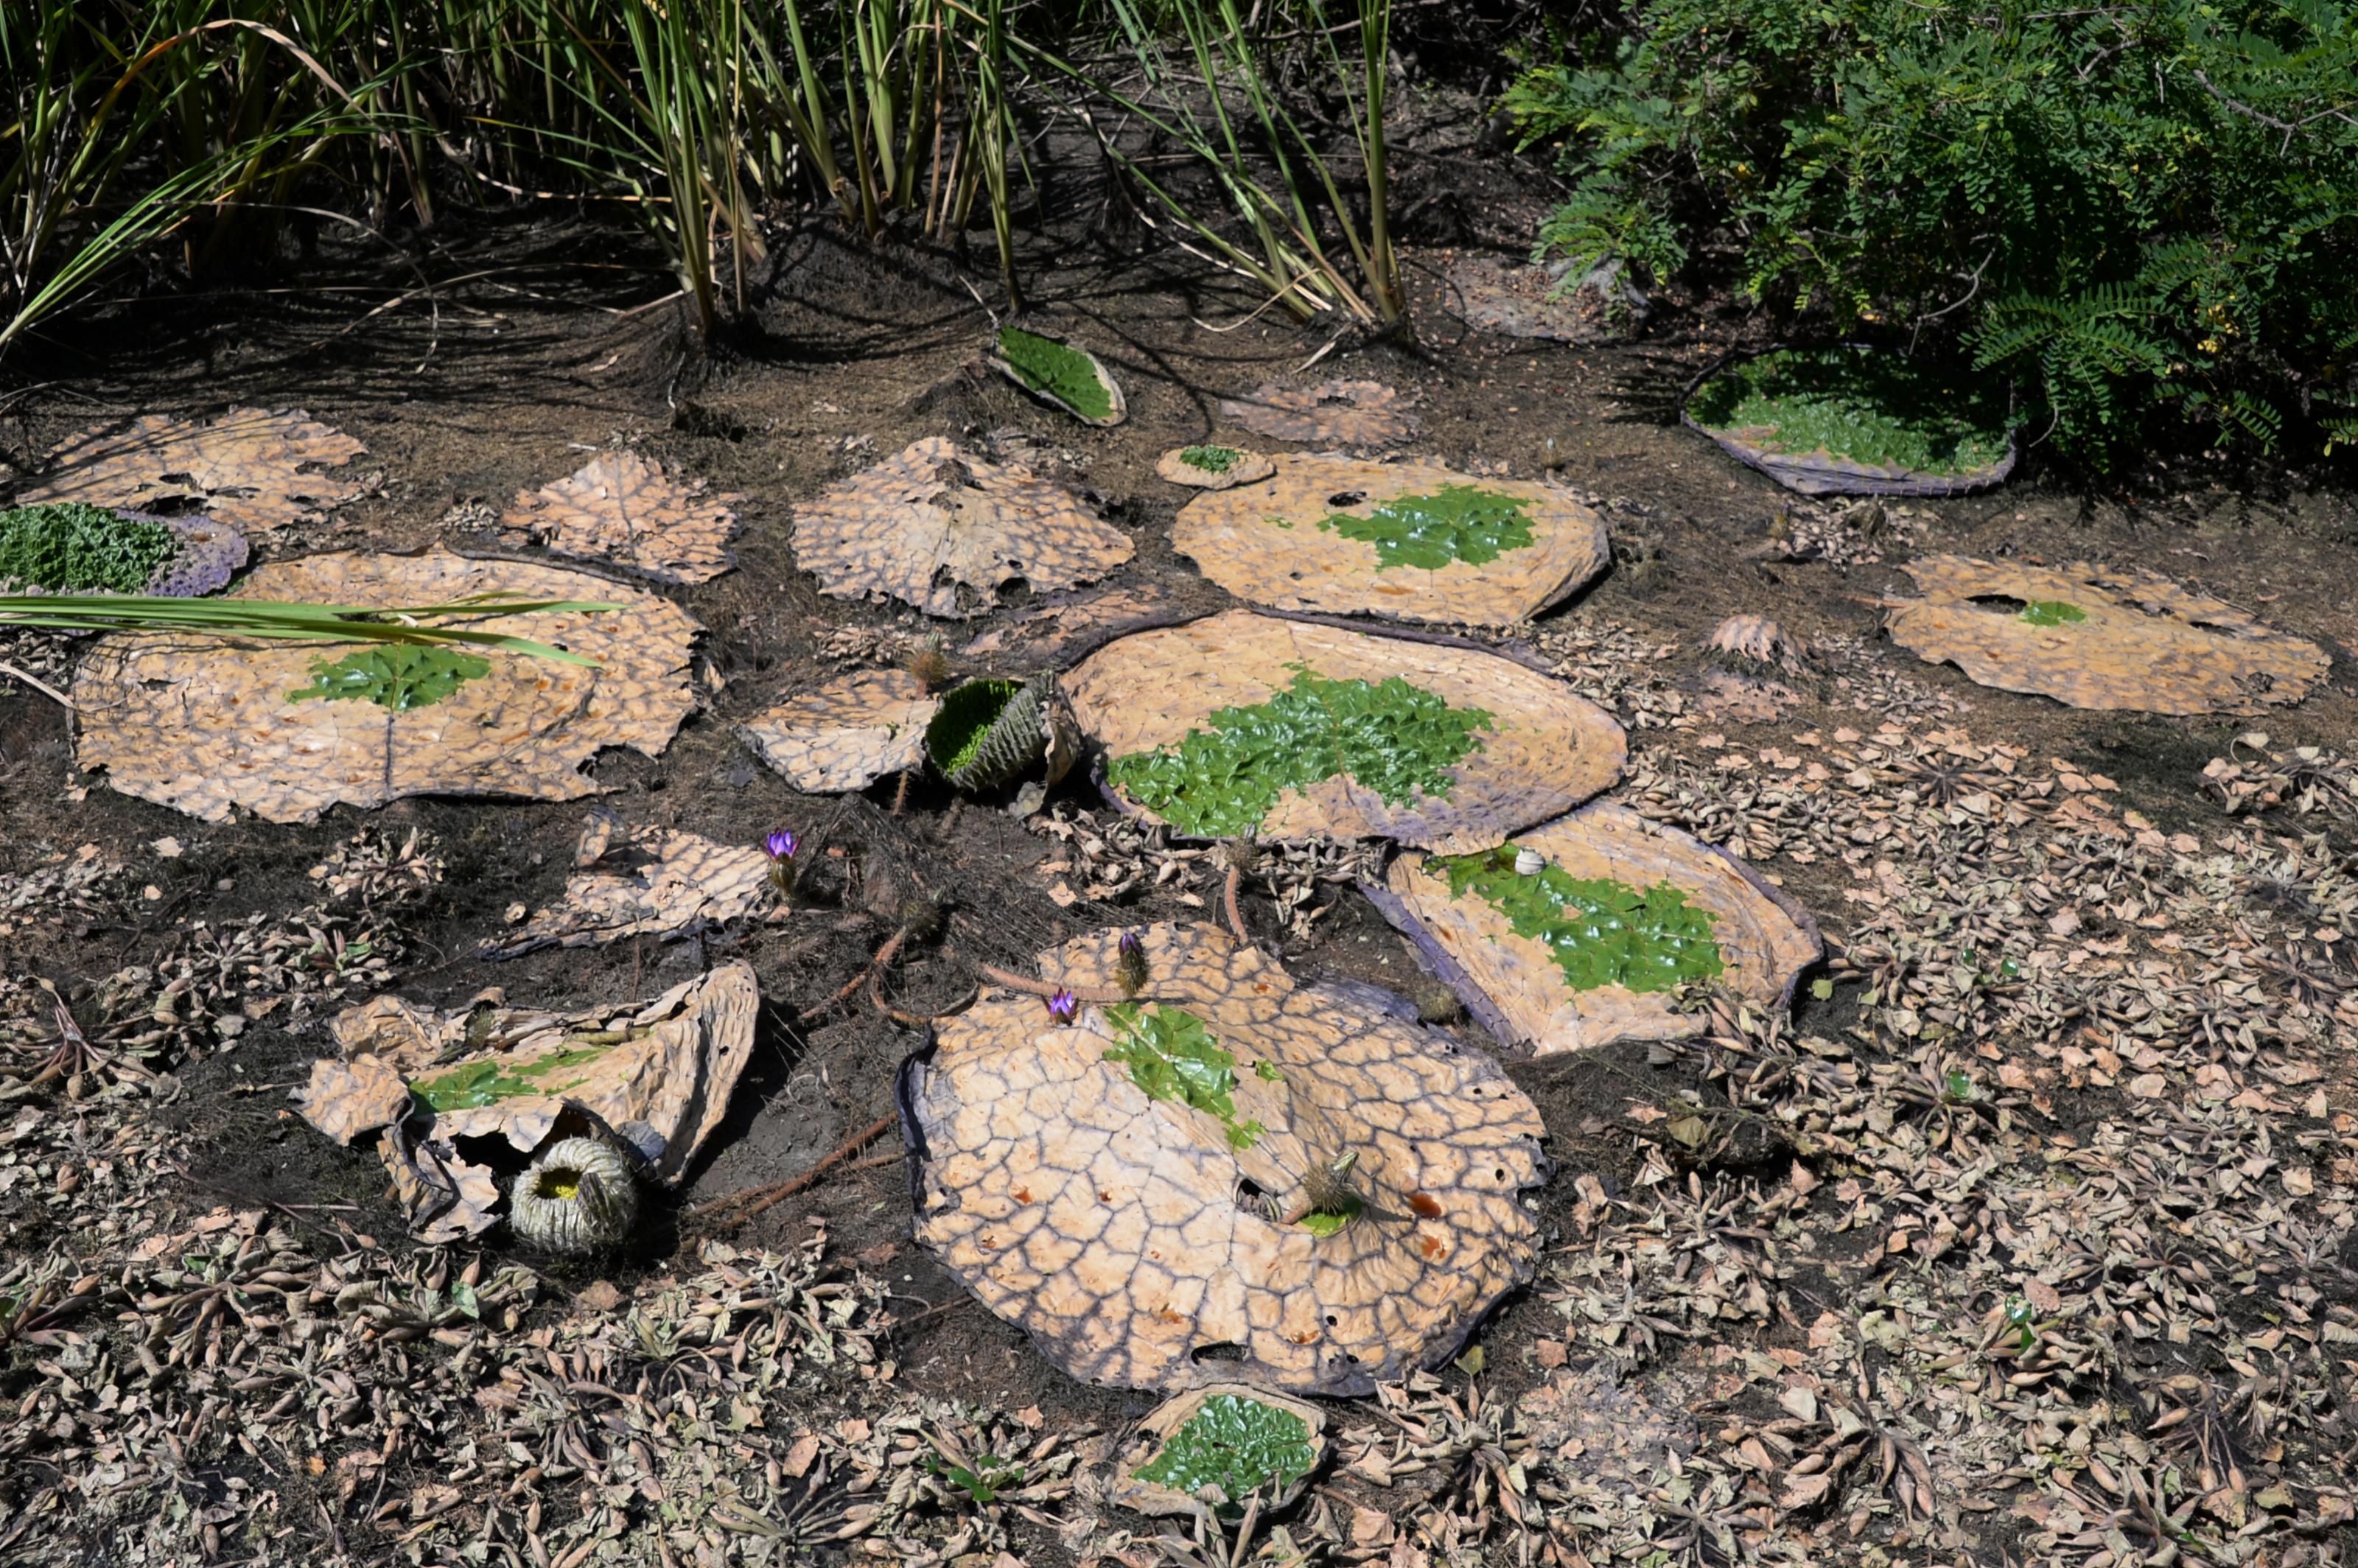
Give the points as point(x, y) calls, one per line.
point(1582, 933)
point(1356, 413)
point(1253, 723)
point(1150, 1219)
point(660, 883)
point(945, 530)
point(847, 733)
point(1060, 375)
point(2096, 637)
point(624, 509)
point(1528, 300)
point(250, 468)
point(208, 723)
point(658, 1074)
point(1044, 633)
point(1209, 1449)
point(1209, 466)
point(1412, 541)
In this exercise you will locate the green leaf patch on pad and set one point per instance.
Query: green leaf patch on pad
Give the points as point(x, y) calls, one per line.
point(1600, 932)
point(1868, 407)
point(1456, 522)
point(1395, 739)
point(1048, 367)
point(480, 1084)
point(1173, 1056)
point(71, 547)
point(1236, 1443)
point(2052, 612)
point(1211, 460)
point(399, 676)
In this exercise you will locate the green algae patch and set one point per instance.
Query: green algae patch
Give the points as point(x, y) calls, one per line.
point(1173, 1056)
point(1868, 407)
point(1600, 932)
point(1236, 1445)
point(1391, 737)
point(72, 548)
point(398, 676)
point(1211, 460)
point(1064, 375)
point(1456, 522)
point(2053, 612)
point(481, 1084)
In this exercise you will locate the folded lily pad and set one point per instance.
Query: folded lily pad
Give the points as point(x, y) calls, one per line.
point(1529, 300)
point(1060, 375)
point(847, 733)
point(990, 732)
point(287, 730)
point(657, 1075)
point(1248, 723)
point(944, 529)
point(1409, 541)
point(1206, 1451)
point(1353, 413)
point(1848, 421)
point(1149, 1192)
point(2099, 637)
point(1582, 933)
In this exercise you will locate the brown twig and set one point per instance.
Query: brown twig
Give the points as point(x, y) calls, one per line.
point(1015, 982)
point(1229, 901)
point(884, 955)
point(760, 1198)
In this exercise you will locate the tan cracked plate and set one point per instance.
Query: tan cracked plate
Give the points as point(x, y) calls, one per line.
point(619, 507)
point(658, 1073)
point(1114, 1228)
point(1245, 468)
point(1265, 544)
point(846, 734)
point(1547, 751)
point(945, 530)
point(204, 723)
point(250, 468)
point(662, 882)
point(1515, 987)
point(1357, 414)
point(2146, 644)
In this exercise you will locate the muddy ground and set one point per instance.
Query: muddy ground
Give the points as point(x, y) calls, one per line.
point(494, 388)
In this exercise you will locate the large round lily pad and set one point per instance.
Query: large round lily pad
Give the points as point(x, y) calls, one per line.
point(287, 730)
point(1247, 723)
point(2098, 637)
point(1154, 1218)
point(1413, 541)
point(944, 529)
point(1582, 933)
point(848, 732)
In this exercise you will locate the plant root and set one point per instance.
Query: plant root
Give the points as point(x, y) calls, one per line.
point(756, 1199)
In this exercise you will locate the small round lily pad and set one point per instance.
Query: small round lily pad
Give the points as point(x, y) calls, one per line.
point(1249, 723)
point(1583, 932)
point(1851, 421)
point(1208, 465)
point(1060, 375)
point(1135, 1189)
point(1411, 541)
point(2100, 637)
point(1208, 1450)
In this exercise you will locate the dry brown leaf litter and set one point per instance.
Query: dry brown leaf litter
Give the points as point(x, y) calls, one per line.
point(947, 531)
point(253, 469)
point(207, 725)
point(622, 508)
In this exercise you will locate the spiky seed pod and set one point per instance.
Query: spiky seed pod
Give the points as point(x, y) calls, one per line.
point(1436, 1003)
point(1240, 855)
point(581, 1197)
point(929, 664)
point(1129, 964)
point(1748, 642)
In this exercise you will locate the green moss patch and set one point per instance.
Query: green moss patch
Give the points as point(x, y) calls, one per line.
point(395, 676)
point(1870, 408)
point(955, 737)
point(1395, 739)
point(2052, 612)
point(71, 547)
point(1211, 460)
point(1050, 369)
point(481, 1084)
point(1600, 932)
point(1236, 1443)
point(1456, 522)
point(1173, 1056)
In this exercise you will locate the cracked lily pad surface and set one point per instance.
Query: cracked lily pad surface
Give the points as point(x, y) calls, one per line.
point(846, 734)
point(250, 468)
point(1355, 414)
point(207, 723)
point(1244, 722)
point(945, 531)
point(2099, 637)
point(1211, 465)
point(1412, 541)
point(1128, 1234)
point(622, 508)
point(657, 882)
point(1592, 946)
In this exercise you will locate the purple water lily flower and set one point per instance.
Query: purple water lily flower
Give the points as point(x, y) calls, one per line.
point(782, 844)
point(1063, 1007)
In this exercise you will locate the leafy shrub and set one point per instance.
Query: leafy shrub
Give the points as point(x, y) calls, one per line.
point(2142, 213)
point(71, 548)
